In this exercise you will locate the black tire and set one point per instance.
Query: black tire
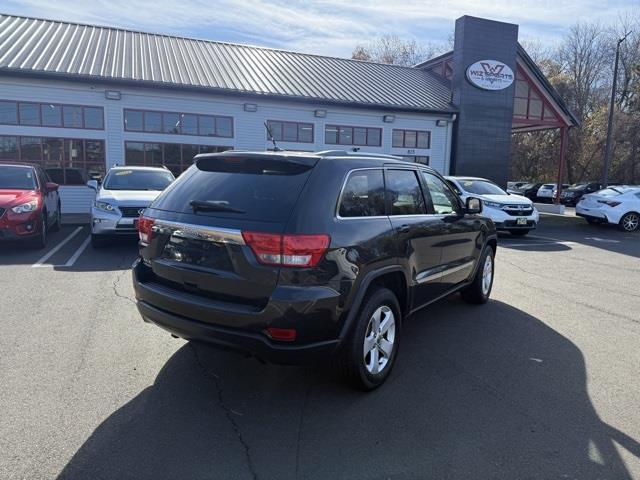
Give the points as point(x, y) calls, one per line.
point(630, 222)
point(476, 292)
point(519, 233)
point(57, 224)
point(351, 360)
point(40, 240)
point(98, 241)
point(592, 221)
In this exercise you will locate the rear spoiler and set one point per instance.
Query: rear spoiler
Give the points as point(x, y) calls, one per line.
point(255, 163)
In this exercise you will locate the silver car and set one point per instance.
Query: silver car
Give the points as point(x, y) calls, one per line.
point(124, 194)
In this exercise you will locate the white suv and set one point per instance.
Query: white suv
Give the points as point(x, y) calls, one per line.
point(122, 197)
point(512, 213)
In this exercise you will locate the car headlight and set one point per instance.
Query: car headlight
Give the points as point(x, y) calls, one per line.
point(492, 204)
point(25, 207)
point(104, 206)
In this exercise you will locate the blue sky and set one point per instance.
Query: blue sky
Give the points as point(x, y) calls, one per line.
point(330, 27)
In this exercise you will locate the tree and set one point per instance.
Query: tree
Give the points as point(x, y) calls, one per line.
point(393, 50)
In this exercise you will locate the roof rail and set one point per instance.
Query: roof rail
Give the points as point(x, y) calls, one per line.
point(345, 153)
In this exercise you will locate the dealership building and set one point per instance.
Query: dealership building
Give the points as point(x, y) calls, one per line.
point(78, 99)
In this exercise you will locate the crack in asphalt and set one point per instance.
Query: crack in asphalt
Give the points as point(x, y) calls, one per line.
point(116, 282)
point(229, 413)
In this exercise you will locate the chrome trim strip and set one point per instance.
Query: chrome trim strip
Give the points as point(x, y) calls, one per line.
point(444, 273)
point(199, 232)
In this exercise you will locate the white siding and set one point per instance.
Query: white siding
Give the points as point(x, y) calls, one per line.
point(249, 131)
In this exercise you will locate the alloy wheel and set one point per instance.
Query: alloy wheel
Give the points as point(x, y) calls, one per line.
point(630, 222)
point(487, 275)
point(379, 340)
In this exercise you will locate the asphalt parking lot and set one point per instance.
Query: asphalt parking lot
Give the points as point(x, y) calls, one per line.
point(542, 382)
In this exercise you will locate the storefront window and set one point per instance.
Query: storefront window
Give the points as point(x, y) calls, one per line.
point(51, 115)
point(175, 156)
point(67, 161)
point(30, 149)
point(8, 148)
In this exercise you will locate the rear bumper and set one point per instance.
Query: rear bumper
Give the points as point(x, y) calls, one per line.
point(254, 344)
point(313, 313)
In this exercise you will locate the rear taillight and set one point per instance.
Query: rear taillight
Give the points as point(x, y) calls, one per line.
point(611, 203)
point(287, 250)
point(145, 231)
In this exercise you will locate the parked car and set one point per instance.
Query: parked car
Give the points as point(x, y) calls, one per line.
point(529, 190)
point(614, 205)
point(554, 193)
point(545, 192)
point(512, 213)
point(573, 194)
point(121, 199)
point(513, 186)
point(29, 204)
point(302, 257)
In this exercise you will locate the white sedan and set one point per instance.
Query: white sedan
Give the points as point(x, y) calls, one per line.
point(615, 205)
point(513, 213)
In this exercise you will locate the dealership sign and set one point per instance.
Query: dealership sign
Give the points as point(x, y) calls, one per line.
point(490, 75)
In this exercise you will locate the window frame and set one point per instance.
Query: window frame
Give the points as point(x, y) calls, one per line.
point(42, 138)
point(297, 124)
point(180, 115)
point(352, 127)
point(404, 139)
point(42, 104)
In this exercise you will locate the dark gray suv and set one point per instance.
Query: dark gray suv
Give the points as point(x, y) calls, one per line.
point(298, 257)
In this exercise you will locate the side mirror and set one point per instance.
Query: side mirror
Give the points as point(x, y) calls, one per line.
point(93, 184)
point(474, 205)
point(51, 187)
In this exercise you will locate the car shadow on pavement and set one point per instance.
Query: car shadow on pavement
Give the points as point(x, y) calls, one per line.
point(488, 392)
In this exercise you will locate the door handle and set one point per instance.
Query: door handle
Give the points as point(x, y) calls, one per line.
point(404, 229)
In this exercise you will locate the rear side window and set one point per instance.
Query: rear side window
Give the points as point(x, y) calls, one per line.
point(263, 189)
point(405, 193)
point(363, 194)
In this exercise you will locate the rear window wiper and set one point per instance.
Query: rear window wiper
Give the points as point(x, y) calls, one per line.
point(213, 206)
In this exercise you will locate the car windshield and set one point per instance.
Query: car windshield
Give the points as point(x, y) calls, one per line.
point(578, 186)
point(123, 179)
point(482, 187)
point(17, 178)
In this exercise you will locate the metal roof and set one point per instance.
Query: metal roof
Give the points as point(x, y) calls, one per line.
point(70, 50)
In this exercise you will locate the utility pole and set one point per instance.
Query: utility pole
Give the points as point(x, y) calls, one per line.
point(607, 147)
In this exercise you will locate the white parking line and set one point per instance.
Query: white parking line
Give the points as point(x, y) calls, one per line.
point(76, 255)
point(51, 252)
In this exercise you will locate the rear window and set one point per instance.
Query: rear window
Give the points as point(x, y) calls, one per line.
point(263, 189)
point(363, 194)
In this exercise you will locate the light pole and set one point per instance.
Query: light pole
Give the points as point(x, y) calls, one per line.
point(607, 146)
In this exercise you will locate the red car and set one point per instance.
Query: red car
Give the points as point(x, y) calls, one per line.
point(29, 204)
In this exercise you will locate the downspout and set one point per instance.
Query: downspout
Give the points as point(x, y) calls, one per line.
point(448, 149)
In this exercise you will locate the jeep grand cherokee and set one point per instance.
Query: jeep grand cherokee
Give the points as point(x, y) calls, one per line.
point(298, 257)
